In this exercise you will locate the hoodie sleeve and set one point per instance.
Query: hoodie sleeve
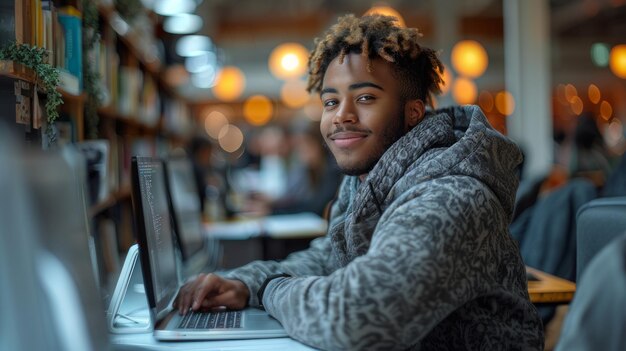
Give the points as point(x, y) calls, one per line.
point(421, 267)
point(316, 260)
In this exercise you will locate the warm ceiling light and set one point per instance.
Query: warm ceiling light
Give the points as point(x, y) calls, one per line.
point(505, 103)
point(485, 101)
point(230, 138)
point(258, 110)
point(464, 91)
point(214, 121)
point(386, 11)
point(570, 93)
point(183, 23)
point(293, 93)
point(469, 58)
point(577, 105)
point(606, 110)
point(617, 61)
point(288, 60)
point(230, 84)
point(594, 93)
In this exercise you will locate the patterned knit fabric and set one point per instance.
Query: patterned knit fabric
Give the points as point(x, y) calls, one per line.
point(418, 255)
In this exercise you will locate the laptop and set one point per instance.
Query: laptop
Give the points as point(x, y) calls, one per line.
point(158, 263)
point(64, 266)
point(198, 252)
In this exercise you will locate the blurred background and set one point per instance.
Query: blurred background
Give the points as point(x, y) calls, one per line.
point(534, 67)
point(222, 83)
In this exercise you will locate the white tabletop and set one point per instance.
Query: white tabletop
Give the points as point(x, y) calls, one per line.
point(145, 341)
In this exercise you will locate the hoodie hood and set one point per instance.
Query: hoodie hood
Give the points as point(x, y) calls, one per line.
point(455, 141)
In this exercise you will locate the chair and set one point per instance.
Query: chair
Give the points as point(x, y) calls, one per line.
point(598, 222)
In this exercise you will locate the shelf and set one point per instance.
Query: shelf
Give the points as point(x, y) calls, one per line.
point(17, 71)
point(110, 201)
point(132, 121)
point(130, 38)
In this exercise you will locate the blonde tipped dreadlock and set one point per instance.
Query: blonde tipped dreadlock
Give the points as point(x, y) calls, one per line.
point(418, 68)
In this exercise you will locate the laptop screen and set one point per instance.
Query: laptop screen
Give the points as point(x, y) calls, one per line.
point(154, 234)
point(186, 207)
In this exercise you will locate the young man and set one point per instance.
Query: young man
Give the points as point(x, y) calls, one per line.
point(418, 253)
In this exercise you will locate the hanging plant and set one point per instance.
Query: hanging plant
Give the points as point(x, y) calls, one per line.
point(47, 77)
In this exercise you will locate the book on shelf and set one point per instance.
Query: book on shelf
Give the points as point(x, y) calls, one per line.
point(130, 83)
point(72, 63)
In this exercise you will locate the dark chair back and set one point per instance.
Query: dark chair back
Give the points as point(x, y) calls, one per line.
point(598, 222)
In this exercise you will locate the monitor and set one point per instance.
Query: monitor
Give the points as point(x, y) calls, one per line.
point(154, 231)
point(185, 207)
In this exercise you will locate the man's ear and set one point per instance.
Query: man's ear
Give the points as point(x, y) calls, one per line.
point(413, 113)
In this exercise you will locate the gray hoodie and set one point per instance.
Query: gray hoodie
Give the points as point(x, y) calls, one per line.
point(418, 255)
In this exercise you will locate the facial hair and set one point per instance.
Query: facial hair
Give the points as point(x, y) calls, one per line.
point(391, 134)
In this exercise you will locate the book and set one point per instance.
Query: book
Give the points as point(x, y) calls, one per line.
point(70, 22)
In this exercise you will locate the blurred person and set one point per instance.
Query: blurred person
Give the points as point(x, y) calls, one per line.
point(418, 253)
point(312, 177)
point(207, 174)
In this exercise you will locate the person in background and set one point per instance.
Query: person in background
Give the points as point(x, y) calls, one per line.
point(312, 176)
point(207, 173)
point(418, 254)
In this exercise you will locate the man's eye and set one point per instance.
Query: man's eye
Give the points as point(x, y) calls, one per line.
point(329, 103)
point(365, 98)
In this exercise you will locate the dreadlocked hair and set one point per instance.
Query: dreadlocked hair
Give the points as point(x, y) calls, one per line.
point(376, 36)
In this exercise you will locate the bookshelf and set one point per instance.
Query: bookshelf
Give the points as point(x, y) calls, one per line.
point(138, 114)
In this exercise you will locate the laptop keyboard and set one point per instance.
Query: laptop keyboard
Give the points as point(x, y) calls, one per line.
point(211, 320)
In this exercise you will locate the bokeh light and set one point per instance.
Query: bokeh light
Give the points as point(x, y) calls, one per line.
point(600, 54)
point(230, 83)
point(464, 91)
point(505, 103)
point(387, 11)
point(293, 93)
point(594, 93)
point(230, 138)
point(570, 93)
point(577, 105)
point(606, 110)
point(288, 60)
point(258, 110)
point(617, 60)
point(469, 58)
point(214, 121)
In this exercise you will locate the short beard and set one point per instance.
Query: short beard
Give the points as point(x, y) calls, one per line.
point(390, 135)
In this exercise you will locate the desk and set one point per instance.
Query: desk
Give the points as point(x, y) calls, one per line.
point(267, 238)
point(145, 341)
point(549, 289)
point(290, 226)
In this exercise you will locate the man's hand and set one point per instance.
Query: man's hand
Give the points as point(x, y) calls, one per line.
point(210, 290)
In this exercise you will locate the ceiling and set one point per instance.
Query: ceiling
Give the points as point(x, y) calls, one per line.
point(245, 31)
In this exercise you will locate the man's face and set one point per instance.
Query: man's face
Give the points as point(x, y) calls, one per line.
point(363, 112)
